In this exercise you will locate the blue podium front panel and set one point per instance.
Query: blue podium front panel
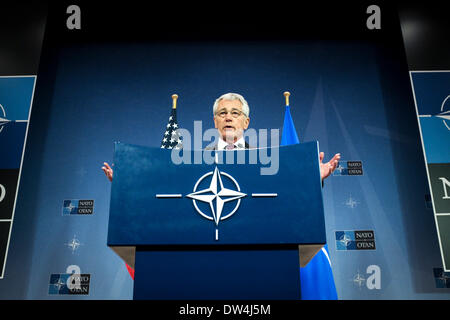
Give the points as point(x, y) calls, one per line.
point(238, 273)
point(157, 202)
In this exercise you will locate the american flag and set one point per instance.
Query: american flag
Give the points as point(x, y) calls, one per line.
point(171, 138)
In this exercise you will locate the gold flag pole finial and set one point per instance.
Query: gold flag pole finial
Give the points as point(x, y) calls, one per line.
point(287, 94)
point(174, 98)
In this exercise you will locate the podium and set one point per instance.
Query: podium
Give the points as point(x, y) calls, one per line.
point(220, 229)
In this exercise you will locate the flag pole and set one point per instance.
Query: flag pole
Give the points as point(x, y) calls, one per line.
point(174, 98)
point(287, 94)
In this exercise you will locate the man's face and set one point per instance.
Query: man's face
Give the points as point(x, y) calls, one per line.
point(230, 125)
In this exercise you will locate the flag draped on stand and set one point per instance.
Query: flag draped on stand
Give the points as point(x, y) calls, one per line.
point(316, 278)
point(170, 140)
point(130, 271)
point(289, 135)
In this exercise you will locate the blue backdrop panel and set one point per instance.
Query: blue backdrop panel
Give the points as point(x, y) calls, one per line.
point(16, 93)
point(436, 139)
point(433, 109)
point(12, 139)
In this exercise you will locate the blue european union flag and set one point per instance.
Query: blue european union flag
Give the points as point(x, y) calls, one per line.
point(316, 278)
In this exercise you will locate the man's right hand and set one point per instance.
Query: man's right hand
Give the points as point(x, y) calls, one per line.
point(108, 171)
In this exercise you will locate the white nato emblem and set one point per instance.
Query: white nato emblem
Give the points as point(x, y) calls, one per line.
point(445, 112)
point(373, 281)
point(351, 203)
point(3, 120)
point(216, 196)
point(74, 244)
point(345, 240)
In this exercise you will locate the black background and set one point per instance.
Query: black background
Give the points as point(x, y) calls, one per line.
point(424, 25)
point(8, 178)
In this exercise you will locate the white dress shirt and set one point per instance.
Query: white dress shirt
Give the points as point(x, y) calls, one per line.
point(240, 144)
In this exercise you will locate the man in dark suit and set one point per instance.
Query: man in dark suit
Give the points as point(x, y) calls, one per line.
point(231, 118)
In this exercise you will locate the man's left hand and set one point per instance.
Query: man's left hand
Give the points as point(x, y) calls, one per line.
point(327, 168)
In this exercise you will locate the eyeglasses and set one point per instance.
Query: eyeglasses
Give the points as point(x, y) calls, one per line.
point(234, 113)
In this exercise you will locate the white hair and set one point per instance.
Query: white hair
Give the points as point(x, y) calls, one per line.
point(232, 96)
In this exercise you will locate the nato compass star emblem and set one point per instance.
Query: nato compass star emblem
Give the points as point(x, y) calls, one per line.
point(216, 195)
point(338, 170)
point(59, 284)
point(359, 280)
point(3, 120)
point(444, 114)
point(74, 244)
point(351, 203)
point(345, 240)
